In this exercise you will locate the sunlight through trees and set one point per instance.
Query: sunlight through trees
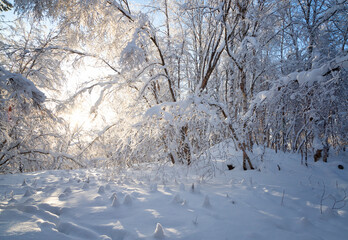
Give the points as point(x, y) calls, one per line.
point(115, 83)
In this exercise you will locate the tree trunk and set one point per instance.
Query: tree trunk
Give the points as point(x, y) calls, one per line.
point(184, 151)
point(240, 145)
point(246, 158)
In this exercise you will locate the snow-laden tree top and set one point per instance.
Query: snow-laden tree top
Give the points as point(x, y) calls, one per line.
point(15, 86)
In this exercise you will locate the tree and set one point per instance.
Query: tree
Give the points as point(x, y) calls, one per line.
point(5, 5)
point(203, 72)
point(31, 136)
point(308, 108)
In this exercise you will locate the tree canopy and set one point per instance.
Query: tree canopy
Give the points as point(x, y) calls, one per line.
point(177, 77)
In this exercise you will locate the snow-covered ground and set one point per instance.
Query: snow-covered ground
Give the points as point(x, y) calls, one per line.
point(165, 202)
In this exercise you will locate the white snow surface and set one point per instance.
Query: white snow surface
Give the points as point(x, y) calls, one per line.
point(175, 202)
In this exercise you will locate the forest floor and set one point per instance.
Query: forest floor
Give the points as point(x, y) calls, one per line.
point(281, 200)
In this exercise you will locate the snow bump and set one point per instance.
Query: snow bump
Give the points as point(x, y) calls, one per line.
point(159, 232)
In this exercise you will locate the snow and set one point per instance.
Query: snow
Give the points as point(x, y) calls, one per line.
point(159, 232)
point(20, 86)
point(176, 202)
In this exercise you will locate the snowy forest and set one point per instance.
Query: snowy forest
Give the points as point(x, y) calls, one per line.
point(89, 83)
point(174, 119)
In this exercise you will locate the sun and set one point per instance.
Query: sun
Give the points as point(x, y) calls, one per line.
point(79, 106)
point(80, 118)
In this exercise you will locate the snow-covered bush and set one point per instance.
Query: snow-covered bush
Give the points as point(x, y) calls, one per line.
point(177, 132)
point(20, 112)
point(304, 110)
point(30, 137)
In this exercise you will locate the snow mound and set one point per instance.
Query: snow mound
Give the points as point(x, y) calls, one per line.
point(85, 186)
point(115, 202)
point(67, 191)
point(159, 232)
point(101, 190)
point(177, 199)
point(114, 195)
point(127, 200)
point(24, 183)
point(29, 192)
point(206, 202)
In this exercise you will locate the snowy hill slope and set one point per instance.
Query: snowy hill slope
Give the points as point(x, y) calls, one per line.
point(166, 202)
